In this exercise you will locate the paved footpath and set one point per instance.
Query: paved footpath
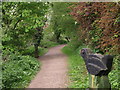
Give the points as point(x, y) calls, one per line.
point(53, 72)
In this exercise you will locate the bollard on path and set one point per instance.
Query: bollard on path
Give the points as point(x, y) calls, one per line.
point(98, 67)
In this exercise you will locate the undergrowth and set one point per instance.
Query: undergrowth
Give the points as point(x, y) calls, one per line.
point(30, 51)
point(18, 72)
point(48, 43)
point(114, 74)
point(18, 69)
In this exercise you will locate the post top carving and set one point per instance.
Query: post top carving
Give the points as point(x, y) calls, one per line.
point(96, 64)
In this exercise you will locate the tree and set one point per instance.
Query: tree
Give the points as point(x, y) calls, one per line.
point(98, 24)
point(23, 23)
point(61, 21)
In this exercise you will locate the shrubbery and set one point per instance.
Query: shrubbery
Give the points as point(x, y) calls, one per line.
point(18, 71)
point(114, 74)
point(31, 50)
point(48, 43)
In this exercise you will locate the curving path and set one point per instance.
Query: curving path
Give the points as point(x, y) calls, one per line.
point(53, 73)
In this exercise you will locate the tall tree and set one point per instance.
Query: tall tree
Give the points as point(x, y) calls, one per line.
point(61, 21)
point(23, 23)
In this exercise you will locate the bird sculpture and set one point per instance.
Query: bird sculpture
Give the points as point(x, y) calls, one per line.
point(97, 64)
point(98, 67)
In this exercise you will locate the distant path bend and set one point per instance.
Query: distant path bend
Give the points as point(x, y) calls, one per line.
point(53, 73)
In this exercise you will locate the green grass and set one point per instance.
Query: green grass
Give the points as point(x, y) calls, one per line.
point(77, 70)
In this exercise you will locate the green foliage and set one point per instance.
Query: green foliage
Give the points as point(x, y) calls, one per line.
point(61, 22)
point(77, 70)
point(98, 30)
point(22, 23)
point(47, 40)
point(62, 41)
point(30, 51)
point(48, 43)
point(18, 71)
point(114, 74)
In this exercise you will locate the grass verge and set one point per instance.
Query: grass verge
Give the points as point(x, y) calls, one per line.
point(77, 71)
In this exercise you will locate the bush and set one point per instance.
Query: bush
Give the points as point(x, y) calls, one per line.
point(18, 72)
point(114, 74)
point(62, 42)
point(48, 43)
point(30, 51)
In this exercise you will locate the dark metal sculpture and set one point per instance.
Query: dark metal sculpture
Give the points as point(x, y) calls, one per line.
point(97, 64)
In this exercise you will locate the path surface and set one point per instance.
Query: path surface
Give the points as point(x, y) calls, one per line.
point(53, 73)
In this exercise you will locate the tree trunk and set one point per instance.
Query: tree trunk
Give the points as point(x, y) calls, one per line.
point(36, 51)
point(57, 35)
point(38, 37)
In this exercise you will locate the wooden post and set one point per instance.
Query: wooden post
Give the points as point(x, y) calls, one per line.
point(97, 82)
point(98, 67)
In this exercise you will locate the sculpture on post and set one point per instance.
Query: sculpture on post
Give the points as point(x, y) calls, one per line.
point(98, 67)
